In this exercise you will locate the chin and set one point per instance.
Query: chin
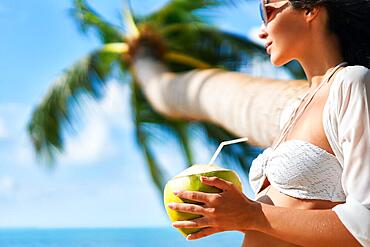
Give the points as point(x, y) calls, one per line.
point(278, 61)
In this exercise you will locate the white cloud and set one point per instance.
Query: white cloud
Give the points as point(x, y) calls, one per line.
point(253, 35)
point(115, 106)
point(22, 152)
point(174, 162)
point(91, 144)
point(7, 186)
point(3, 130)
point(14, 117)
point(96, 140)
point(258, 66)
point(15, 148)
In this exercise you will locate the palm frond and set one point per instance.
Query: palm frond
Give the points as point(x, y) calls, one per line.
point(183, 135)
point(184, 59)
point(212, 46)
point(87, 19)
point(143, 136)
point(55, 112)
point(181, 11)
point(129, 23)
point(182, 27)
point(115, 48)
point(155, 170)
point(206, 46)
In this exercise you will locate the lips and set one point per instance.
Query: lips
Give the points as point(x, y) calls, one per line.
point(268, 44)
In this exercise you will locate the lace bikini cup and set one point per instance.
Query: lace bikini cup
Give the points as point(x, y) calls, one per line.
point(299, 169)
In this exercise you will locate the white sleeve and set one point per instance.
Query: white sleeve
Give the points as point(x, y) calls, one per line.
point(354, 139)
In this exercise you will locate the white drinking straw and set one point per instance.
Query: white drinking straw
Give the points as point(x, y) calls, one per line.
point(214, 157)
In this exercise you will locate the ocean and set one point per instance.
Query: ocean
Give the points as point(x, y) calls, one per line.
point(115, 237)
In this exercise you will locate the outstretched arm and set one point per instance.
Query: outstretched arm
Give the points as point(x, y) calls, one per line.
point(242, 104)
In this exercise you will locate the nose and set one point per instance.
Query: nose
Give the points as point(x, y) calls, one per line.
point(262, 34)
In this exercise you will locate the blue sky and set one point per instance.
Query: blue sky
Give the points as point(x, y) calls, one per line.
point(101, 180)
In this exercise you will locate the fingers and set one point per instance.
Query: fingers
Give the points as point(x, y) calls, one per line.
point(190, 208)
point(195, 196)
point(217, 182)
point(203, 233)
point(196, 223)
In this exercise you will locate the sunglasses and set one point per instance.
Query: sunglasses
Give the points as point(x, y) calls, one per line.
point(268, 6)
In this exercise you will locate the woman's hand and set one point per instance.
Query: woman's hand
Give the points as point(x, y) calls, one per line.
point(226, 211)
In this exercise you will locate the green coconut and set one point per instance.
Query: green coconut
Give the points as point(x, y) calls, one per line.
point(189, 180)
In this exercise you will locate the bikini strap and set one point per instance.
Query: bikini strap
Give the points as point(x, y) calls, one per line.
point(294, 116)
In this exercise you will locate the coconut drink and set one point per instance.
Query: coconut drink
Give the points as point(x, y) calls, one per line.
point(189, 180)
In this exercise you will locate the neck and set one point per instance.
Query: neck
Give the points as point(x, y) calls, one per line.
point(321, 57)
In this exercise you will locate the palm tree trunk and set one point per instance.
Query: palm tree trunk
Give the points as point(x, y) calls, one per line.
point(242, 104)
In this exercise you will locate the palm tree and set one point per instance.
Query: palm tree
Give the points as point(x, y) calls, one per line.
point(175, 48)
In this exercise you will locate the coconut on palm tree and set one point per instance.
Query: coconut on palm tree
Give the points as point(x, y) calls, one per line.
point(179, 70)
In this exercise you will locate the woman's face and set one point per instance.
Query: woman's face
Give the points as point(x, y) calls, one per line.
point(284, 34)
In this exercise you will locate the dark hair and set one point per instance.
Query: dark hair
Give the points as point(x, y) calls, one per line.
point(349, 20)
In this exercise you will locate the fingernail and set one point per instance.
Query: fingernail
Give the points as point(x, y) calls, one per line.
point(176, 193)
point(189, 237)
point(170, 205)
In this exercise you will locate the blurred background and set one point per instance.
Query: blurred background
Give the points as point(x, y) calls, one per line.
point(101, 179)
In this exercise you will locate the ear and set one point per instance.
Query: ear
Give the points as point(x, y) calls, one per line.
point(312, 13)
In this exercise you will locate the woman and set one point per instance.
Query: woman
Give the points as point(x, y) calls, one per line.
point(313, 184)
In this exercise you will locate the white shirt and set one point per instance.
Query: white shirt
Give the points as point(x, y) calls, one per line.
point(346, 120)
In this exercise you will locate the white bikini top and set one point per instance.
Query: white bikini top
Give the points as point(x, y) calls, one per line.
point(299, 169)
